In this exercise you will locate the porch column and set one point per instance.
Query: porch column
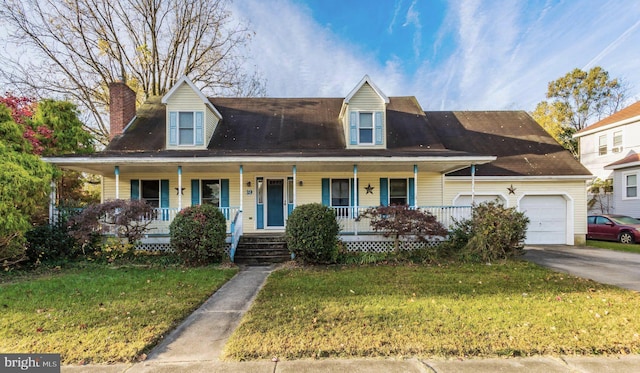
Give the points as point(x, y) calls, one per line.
point(179, 188)
point(473, 182)
point(415, 186)
point(117, 172)
point(295, 186)
point(52, 203)
point(241, 186)
point(355, 198)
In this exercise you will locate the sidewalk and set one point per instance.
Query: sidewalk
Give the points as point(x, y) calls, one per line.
point(196, 346)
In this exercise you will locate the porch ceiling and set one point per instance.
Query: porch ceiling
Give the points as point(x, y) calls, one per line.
point(106, 166)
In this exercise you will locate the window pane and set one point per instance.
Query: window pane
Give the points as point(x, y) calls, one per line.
point(340, 192)
point(398, 191)
point(366, 136)
point(617, 138)
point(211, 192)
point(602, 145)
point(151, 192)
point(185, 128)
point(366, 120)
point(289, 190)
point(632, 185)
point(259, 190)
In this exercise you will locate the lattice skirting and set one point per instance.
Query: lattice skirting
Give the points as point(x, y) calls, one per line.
point(164, 247)
point(381, 244)
point(370, 243)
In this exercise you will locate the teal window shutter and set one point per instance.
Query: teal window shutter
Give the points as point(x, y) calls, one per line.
point(353, 128)
point(224, 197)
point(164, 199)
point(173, 128)
point(412, 192)
point(326, 196)
point(199, 128)
point(378, 128)
point(135, 189)
point(384, 191)
point(195, 192)
point(224, 193)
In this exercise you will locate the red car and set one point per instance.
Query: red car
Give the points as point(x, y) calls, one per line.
point(613, 228)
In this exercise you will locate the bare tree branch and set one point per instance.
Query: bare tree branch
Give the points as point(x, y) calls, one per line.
point(75, 48)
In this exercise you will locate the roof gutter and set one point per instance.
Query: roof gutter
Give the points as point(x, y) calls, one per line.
point(607, 127)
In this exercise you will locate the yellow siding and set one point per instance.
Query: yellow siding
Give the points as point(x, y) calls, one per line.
point(575, 190)
point(366, 99)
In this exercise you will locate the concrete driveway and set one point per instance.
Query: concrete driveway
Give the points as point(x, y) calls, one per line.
point(604, 266)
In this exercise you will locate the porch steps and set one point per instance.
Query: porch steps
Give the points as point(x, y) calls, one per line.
point(264, 248)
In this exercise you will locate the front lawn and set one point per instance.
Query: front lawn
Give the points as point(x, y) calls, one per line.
point(512, 309)
point(100, 314)
point(631, 248)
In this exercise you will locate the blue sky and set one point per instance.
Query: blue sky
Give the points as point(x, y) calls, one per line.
point(451, 55)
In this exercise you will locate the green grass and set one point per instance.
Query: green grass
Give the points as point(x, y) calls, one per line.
point(631, 248)
point(511, 309)
point(100, 314)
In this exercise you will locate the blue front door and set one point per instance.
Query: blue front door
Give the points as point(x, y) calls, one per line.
point(275, 203)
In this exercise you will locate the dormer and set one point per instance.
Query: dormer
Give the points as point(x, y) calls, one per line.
point(191, 118)
point(363, 116)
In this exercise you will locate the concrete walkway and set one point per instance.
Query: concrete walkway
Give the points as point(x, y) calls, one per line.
point(196, 345)
point(605, 266)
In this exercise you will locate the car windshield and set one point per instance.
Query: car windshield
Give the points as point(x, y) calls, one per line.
point(625, 220)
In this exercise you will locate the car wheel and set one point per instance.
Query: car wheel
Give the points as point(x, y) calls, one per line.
point(626, 237)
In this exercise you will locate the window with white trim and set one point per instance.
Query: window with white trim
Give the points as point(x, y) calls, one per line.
point(186, 128)
point(365, 128)
point(398, 191)
point(617, 142)
point(602, 145)
point(150, 192)
point(210, 192)
point(630, 181)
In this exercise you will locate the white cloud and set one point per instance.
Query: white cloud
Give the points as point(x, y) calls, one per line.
point(503, 56)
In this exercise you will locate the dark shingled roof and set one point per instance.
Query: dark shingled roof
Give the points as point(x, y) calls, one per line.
point(310, 127)
point(283, 126)
point(522, 146)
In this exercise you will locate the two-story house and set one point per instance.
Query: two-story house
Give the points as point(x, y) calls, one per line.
point(258, 158)
point(609, 150)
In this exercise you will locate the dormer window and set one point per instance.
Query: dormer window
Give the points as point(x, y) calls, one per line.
point(186, 128)
point(365, 128)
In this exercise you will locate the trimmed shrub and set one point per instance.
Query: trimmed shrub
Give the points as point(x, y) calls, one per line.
point(494, 232)
point(198, 235)
point(312, 233)
point(50, 244)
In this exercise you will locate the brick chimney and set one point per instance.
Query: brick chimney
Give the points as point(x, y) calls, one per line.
point(122, 107)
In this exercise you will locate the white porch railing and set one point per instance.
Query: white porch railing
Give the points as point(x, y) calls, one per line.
point(349, 224)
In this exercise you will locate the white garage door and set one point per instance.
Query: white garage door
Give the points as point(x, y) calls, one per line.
point(547, 219)
point(465, 200)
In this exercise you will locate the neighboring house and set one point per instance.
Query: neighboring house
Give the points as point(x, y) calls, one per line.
point(609, 150)
point(258, 158)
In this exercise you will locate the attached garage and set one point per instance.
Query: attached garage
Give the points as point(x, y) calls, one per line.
point(547, 218)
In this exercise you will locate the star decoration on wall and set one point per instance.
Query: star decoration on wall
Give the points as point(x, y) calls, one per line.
point(511, 189)
point(369, 189)
point(181, 191)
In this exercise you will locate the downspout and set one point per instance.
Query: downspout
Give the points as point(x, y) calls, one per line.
point(179, 188)
point(415, 186)
point(473, 182)
point(117, 172)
